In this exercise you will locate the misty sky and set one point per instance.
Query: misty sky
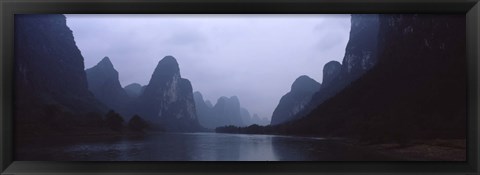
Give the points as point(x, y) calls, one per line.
point(255, 57)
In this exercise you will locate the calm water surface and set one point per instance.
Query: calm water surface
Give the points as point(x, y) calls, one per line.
point(191, 147)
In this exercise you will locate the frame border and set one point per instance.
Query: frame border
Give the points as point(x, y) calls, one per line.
point(10, 7)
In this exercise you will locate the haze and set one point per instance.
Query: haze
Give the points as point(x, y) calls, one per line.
point(255, 57)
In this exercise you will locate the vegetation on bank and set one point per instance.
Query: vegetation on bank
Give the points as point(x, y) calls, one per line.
point(56, 120)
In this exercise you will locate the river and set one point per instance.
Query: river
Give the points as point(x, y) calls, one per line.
point(192, 147)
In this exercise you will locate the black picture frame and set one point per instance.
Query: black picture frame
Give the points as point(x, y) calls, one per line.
point(10, 7)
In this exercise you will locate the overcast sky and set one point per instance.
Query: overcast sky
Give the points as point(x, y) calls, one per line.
point(255, 57)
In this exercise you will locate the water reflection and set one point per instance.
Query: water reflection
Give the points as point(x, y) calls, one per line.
point(231, 147)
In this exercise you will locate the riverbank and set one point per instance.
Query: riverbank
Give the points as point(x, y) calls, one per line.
point(422, 150)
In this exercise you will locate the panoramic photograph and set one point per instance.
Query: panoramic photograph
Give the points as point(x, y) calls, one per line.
point(239, 87)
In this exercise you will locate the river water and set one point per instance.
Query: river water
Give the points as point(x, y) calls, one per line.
point(192, 147)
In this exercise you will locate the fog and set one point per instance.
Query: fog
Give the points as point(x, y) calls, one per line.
point(255, 57)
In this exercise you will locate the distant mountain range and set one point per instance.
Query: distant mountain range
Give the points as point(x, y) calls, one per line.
point(166, 102)
point(134, 90)
point(227, 111)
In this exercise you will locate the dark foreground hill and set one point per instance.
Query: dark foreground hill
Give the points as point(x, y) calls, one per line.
point(51, 91)
point(416, 90)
